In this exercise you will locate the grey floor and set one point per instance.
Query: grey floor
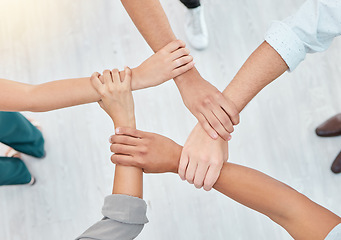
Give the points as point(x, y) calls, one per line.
point(43, 40)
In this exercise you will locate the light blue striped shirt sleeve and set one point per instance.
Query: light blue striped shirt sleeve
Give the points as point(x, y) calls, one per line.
point(311, 29)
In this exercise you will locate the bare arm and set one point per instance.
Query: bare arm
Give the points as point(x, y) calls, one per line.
point(261, 68)
point(170, 61)
point(205, 102)
point(117, 101)
point(300, 216)
point(48, 96)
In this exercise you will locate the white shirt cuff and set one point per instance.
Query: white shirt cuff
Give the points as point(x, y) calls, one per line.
point(286, 43)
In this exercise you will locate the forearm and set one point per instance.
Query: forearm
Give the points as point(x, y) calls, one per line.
point(52, 95)
point(261, 68)
point(152, 22)
point(300, 216)
point(128, 180)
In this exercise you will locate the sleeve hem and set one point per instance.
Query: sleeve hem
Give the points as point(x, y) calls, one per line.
point(125, 209)
point(286, 43)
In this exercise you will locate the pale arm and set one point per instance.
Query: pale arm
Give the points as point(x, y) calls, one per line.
point(48, 96)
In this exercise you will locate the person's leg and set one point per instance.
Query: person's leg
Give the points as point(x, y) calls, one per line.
point(13, 171)
point(195, 26)
point(17, 132)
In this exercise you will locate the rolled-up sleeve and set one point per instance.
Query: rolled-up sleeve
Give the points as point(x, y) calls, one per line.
point(311, 29)
point(124, 219)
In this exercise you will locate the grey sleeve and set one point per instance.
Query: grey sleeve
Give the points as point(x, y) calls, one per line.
point(124, 219)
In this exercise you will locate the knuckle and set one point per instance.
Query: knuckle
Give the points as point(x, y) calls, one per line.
point(218, 95)
point(143, 150)
point(206, 101)
point(101, 92)
point(215, 124)
point(179, 42)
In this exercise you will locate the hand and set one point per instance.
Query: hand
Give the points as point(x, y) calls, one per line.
point(116, 97)
point(169, 62)
point(202, 159)
point(216, 113)
point(151, 152)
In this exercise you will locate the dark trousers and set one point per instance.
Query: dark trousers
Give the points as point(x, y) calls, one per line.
point(17, 132)
point(191, 3)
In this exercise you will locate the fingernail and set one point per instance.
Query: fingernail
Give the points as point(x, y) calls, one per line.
point(110, 140)
point(214, 135)
point(117, 130)
point(229, 138)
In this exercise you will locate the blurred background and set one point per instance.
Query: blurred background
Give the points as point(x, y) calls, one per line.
point(44, 40)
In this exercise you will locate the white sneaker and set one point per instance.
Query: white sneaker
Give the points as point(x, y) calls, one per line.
point(195, 28)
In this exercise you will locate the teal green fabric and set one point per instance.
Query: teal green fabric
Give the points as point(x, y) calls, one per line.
point(13, 171)
point(17, 132)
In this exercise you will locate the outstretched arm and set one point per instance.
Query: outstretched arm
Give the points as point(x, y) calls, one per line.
point(117, 101)
point(300, 216)
point(170, 61)
point(124, 211)
point(215, 113)
point(311, 29)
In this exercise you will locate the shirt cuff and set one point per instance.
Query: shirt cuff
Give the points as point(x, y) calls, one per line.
point(281, 37)
point(335, 233)
point(125, 209)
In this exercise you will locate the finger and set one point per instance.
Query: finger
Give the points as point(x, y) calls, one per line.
point(200, 175)
point(124, 160)
point(226, 123)
point(107, 77)
point(212, 175)
point(183, 165)
point(180, 70)
point(123, 139)
point(174, 45)
point(231, 110)
point(216, 124)
point(190, 172)
point(182, 61)
point(129, 131)
point(207, 127)
point(101, 79)
point(116, 76)
point(100, 102)
point(127, 77)
point(122, 149)
point(179, 53)
point(95, 81)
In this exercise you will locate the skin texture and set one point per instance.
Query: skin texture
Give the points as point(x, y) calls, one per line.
point(170, 61)
point(261, 68)
point(116, 97)
point(297, 214)
point(215, 112)
point(205, 102)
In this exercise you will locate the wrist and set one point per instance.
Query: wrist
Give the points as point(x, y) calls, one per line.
point(128, 122)
point(187, 77)
point(176, 155)
point(136, 82)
